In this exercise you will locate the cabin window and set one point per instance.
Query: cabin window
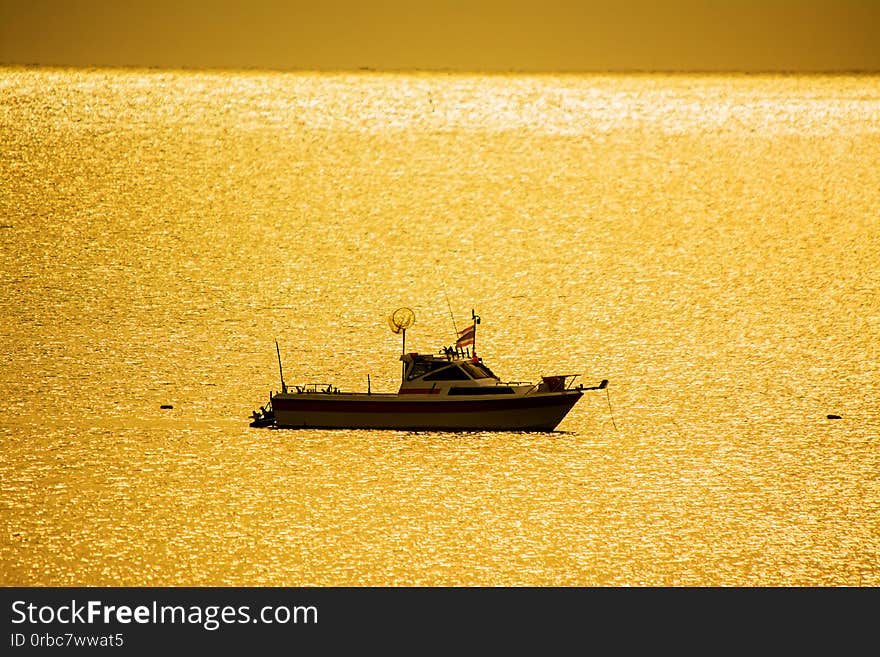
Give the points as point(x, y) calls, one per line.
point(453, 373)
point(422, 367)
point(478, 371)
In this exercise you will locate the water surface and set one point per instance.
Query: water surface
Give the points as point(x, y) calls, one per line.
point(707, 243)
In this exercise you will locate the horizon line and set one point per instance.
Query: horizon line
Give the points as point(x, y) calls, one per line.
point(443, 70)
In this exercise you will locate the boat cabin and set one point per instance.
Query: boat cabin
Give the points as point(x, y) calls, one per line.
point(448, 373)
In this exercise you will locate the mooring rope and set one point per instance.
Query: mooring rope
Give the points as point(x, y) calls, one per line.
point(610, 412)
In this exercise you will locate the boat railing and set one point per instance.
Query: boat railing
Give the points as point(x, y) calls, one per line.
point(326, 388)
point(451, 353)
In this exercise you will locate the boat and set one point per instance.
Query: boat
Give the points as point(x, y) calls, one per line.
point(450, 390)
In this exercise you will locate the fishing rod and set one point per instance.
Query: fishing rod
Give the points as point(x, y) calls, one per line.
point(451, 315)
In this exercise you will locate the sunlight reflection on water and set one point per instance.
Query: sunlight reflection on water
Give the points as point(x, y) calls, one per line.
point(708, 244)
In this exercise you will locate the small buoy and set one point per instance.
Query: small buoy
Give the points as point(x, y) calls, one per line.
point(166, 406)
point(833, 417)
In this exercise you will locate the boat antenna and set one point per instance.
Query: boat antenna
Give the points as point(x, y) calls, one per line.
point(280, 371)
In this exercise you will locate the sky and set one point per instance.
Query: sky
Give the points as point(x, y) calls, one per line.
point(458, 35)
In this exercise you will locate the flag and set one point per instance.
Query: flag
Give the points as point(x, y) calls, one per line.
point(466, 336)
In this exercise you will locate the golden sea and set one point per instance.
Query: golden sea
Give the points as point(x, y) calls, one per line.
point(708, 243)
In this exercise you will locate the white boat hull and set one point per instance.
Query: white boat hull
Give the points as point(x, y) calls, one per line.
point(532, 412)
